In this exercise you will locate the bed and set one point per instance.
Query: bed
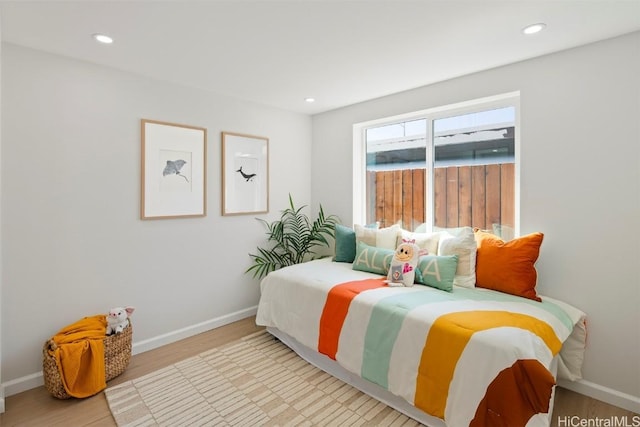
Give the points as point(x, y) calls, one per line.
point(467, 357)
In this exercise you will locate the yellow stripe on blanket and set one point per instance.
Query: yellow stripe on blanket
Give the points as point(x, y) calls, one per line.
point(447, 339)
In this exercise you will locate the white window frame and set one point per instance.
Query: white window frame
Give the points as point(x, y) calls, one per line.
point(511, 99)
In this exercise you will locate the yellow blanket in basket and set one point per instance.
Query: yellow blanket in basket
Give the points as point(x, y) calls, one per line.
point(79, 354)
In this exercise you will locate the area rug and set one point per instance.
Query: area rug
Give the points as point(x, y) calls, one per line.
point(255, 381)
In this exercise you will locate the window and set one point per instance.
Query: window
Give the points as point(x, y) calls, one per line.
point(448, 167)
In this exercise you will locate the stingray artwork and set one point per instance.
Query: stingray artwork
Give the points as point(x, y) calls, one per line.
point(173, 167)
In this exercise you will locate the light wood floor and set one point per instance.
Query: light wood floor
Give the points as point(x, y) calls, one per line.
point(37, 408)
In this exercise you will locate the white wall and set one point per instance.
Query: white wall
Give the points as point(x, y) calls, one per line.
point(73, 243)
point(580, 185)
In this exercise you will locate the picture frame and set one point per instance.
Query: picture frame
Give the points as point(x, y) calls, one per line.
point(245, 174)
point(173, 170)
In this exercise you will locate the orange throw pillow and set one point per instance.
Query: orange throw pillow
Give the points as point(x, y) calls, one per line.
point(508, 266)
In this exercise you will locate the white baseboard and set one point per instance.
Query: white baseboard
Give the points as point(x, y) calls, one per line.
point(189, 331)
point(22, 384)
point(605, 394)
point(36, 380)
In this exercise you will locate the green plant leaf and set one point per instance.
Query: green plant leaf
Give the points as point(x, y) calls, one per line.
point(294, 238)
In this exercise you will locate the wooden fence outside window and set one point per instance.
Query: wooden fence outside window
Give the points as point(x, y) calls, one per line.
point(477, 196)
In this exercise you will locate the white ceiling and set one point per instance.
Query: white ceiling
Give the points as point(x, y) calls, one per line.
point(340, 52)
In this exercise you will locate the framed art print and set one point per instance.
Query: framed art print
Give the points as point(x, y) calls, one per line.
point(173, 170)
point(245, 174)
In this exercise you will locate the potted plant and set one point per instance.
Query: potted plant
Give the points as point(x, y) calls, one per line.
point(294, 239)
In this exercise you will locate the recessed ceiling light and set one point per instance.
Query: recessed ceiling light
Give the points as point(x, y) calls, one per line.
point(103, 38)
point(310, 100)
point(534, 28)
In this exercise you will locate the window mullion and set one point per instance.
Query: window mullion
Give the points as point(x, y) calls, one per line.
point(429, 177)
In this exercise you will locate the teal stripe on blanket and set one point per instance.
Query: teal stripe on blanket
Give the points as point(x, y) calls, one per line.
point(385, 322)
point(389, 313)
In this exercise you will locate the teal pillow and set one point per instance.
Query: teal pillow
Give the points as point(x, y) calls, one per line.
point(345, 244)
point(372, 259)
point(437, 271)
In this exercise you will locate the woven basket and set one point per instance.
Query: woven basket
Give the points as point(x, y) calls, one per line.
point(117, 353)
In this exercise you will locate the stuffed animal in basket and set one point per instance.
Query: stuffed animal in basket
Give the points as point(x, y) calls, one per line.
point(118, 319)
point(402, 271)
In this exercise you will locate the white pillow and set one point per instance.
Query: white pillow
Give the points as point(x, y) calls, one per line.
point(461, 241)
point(428, 241)
point(377, 237)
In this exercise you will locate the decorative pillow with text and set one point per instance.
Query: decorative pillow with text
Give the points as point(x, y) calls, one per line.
point(437, 271)
point(372, 259)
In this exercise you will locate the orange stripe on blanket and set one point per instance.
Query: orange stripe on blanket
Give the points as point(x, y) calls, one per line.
point(447, 339)
point(335, 312)
point(515, 395)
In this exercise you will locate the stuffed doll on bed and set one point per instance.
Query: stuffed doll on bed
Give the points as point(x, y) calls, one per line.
point(402, 271)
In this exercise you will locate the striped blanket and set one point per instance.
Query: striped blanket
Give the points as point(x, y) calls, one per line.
point(470, 357)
